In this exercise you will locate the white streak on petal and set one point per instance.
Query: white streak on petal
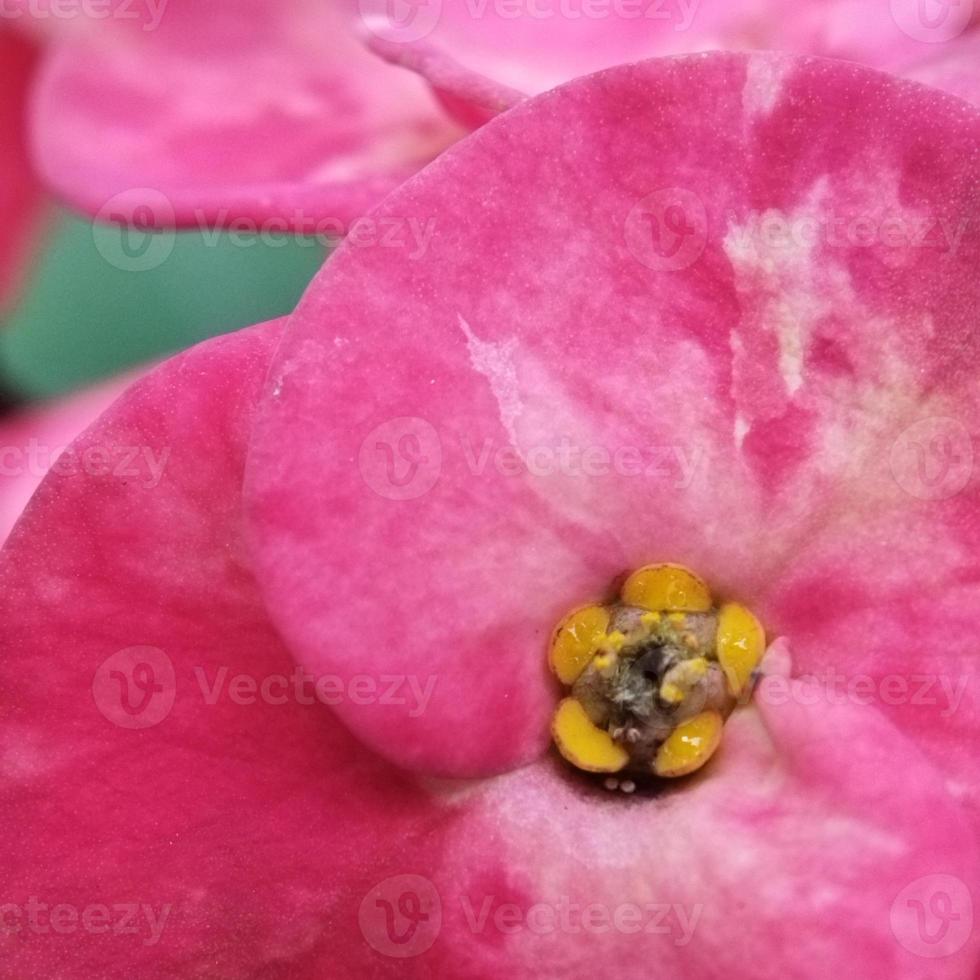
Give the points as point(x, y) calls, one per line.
point(495, 361)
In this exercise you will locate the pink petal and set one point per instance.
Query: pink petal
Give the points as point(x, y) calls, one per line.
point(468, 95)
point(223, 111)
point(32, 442)
point(535, 46)
point(211, 831)
point(724, 400)
point(239, 827)
point(797, 862)
point(912, 658)
point(953, 68)
point(19, 194)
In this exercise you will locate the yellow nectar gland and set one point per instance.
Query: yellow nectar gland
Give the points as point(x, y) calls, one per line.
point(689, 745)
point(576, 642)
point(582, 743)
point(652, 676)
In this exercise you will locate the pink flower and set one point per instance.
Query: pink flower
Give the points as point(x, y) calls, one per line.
point(211, 112)
point(34, 441)
point(19, 196)
point(954, 68)
point(262, 114)
point(532, 46)
point(718, 310)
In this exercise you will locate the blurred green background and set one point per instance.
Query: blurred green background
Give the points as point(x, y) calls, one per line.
point(82, 317)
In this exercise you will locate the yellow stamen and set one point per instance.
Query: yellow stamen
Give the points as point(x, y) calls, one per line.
point(582, 743)
point(682, 678)
point(613, 642)
point(667, 587)
point(689, 746)
point(741, 643)
point(650, 619)
point(576, 641)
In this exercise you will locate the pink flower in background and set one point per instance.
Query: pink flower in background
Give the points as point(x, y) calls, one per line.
point(19, 192)
point(954, 68)
point(718, 310)
point(530, 47)
point(202, 114)
point(33, 441)
point(211, 112)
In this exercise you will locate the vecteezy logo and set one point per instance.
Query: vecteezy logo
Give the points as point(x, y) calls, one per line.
point(667, 230)
point(135, 687)
point(932, 21)
point(933, 459)
point(401, 916)
point(134, 232)
point(401, 459)
point(932, 917)
point(400, 20)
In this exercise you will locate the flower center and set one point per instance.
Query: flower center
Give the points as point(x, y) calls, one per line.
point(652, 677)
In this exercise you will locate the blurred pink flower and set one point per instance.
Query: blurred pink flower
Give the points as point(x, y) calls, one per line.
point(33, 441)
point(755, 268)
point(204, 114)
point(479, 54)
point(955, 68)
point(19, 193)
point(232, 109)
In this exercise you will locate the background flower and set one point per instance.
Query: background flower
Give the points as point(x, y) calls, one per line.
point(534, 46)
point(319, 133)
point(207, 113)
point(19, 194)
point(31, 441)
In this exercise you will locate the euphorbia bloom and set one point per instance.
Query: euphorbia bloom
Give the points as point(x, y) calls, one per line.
point(19, 195)
point(223, 112)
point(682, 311)
point(210, 112)
point(533, 46)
